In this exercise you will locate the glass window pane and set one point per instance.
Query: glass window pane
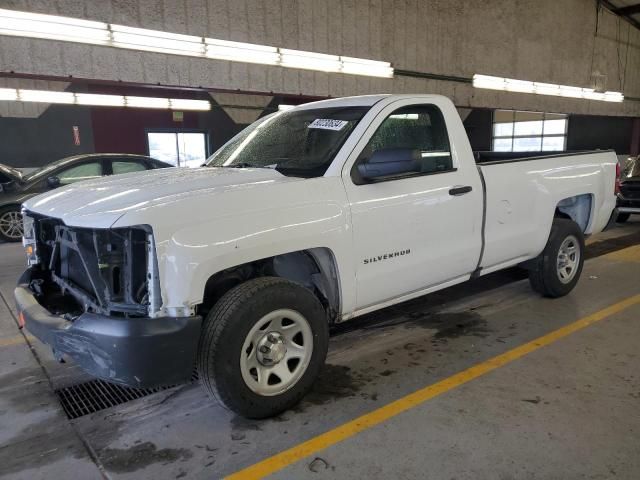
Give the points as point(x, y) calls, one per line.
point(193, 150)
point(411, 140)
point(502, 129)
point(86, 171)
point(527, 144)
point(502, 144)
point(126, 167)
point(553, 144)
point(528, 128)
point(552, 127)
point(162, 146)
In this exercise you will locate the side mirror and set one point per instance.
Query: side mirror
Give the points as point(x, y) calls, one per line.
point(53, 182)
point(389, 162)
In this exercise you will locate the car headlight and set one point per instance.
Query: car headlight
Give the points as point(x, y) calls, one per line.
point(29, 240)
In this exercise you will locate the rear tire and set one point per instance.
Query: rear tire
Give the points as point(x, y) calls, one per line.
point(556, 271)
point(258, 332)
point(11, 224)
point(623, 217)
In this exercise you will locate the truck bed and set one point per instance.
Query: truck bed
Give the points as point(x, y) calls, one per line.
point(488, 157)
point(520, 197)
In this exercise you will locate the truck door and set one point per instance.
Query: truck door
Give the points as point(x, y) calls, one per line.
point(416, 205)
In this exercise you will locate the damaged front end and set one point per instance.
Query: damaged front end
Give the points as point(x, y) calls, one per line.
point(105, 271)
point(94, 295)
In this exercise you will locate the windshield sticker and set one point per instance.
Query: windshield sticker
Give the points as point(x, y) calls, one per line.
point(328, 124)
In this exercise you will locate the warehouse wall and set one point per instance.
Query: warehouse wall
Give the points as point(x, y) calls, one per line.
point(543, 40)
point(33, 142)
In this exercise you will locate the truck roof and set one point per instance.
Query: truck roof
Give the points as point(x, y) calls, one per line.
point(358, 101)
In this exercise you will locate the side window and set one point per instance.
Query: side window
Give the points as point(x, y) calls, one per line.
point(119, 167)
point(411, 141)
point(86, 171)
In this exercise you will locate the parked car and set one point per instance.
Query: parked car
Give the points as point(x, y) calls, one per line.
point(629, 190)
point(16, 188)
point(323, 213)
point(8, 174)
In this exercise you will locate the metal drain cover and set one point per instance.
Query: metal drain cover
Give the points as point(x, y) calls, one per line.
point(95, 395)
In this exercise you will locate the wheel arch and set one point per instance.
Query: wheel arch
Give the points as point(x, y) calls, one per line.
point(578, 208)
point(313, 268)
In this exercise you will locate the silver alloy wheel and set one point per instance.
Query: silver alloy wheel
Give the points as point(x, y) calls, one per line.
point(11, 224)
point(276, 352)
point(568, 259)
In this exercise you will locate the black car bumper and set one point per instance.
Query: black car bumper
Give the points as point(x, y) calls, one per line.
point(136, 352)
point(628, 200)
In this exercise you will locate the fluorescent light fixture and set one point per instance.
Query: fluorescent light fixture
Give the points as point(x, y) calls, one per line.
point(99, 100)
point(183, 104)
point(282, 107)
point(372, 68)
point(35, 25)
point(523, 86)
point(156, 41)
point(310, 60)
point(147, 102)
point(241, 52)
point(46, 96)
point(8, 94)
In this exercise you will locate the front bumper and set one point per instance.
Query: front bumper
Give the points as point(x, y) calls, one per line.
point(136, 352)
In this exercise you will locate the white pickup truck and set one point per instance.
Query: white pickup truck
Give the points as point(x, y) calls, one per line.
point(306, 218)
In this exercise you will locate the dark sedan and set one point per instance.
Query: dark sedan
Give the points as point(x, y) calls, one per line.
point(629, 195)
point(16, 187)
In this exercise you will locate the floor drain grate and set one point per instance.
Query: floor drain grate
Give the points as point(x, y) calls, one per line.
point(95, 395)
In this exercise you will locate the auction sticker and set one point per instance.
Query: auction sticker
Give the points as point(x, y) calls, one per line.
point(328, 124)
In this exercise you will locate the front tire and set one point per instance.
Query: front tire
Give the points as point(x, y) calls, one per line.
point(11, 224)
point(262, 346)
point(557, 269)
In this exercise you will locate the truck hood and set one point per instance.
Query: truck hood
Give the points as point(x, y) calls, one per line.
point(100, 203)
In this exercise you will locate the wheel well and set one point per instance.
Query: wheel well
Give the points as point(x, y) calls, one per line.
point(314, 269)
point(576, 208)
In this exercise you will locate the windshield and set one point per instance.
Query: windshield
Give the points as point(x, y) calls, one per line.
point(42, 171)
point(299, 143)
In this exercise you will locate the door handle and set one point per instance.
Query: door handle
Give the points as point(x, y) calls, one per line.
point(460, 190)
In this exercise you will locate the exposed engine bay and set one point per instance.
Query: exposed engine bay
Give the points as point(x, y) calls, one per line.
point(77, 270)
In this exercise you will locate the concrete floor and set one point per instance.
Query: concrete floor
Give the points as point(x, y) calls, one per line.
point(568, 410)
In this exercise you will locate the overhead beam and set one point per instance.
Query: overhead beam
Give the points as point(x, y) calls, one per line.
point(628, 10)
point(613, 9)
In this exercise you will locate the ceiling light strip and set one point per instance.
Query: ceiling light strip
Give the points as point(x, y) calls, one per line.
point(523, 86)
point(99, 100)
point(52, 27)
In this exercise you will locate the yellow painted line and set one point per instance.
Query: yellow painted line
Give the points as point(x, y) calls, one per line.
point(15, 340)
point(630, 254)
point(349, 429)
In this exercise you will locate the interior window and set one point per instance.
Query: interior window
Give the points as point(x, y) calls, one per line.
point(127, 167)
point(411, 141)
point(86, 171)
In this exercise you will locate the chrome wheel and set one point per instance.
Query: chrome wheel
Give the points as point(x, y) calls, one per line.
point(568, 259)
point(11, 224)
point(276, 352)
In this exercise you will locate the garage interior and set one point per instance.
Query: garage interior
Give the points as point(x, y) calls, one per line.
point(483, 380)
